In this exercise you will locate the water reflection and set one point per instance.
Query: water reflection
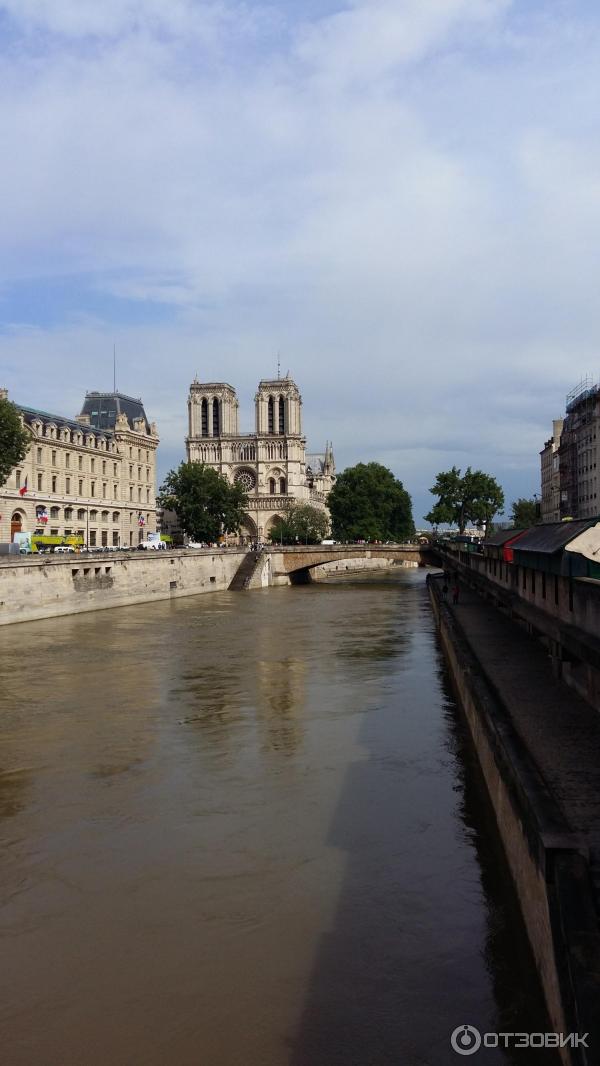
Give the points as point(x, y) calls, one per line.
point(281, 699)
point(238, 835)
point(15, 786)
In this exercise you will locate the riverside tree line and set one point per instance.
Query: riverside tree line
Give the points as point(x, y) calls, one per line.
point(367, 503)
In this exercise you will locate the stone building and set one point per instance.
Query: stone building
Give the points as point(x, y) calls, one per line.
point(579, 452)
point(94, 475)
point(550, 463)
point(270, 463)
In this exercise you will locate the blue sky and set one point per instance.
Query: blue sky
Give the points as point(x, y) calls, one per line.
point(403, 198)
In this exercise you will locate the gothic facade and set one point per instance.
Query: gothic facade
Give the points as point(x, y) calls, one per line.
point(270, 463)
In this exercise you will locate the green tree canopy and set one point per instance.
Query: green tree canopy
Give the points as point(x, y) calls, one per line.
point(204, 501)
point(302, 523)
point(368, 503)
point(14, 439)
point(525, 513)
point(475, 497)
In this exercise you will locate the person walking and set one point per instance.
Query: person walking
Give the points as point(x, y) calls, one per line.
point(455, 593)
point(445, 591)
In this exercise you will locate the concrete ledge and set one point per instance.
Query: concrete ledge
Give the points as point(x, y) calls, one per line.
point(33, 589)
point(548, 862)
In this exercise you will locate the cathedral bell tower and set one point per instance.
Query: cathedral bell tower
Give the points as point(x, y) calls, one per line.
point(278, 408)
point(212, 410)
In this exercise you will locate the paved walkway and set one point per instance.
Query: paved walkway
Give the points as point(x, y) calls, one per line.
point(560, 730)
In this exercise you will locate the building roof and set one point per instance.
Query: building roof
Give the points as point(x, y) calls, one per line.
point(30, 414)
point(502, 537)
point(551, 537)
point(587, 543)
point(315, 462)
point(285, 383)
point(103, 408)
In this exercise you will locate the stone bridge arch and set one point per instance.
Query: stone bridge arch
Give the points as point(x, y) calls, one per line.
point(294, 564)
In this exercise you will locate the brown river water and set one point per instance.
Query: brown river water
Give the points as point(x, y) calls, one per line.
point(247, 829)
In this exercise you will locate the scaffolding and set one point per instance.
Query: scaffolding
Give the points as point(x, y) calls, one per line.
point(581, 409)
point(586, 389)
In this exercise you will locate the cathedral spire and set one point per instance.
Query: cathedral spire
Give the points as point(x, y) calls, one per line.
point(329, 461)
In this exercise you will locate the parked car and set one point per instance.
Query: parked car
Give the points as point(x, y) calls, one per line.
point(62, 549)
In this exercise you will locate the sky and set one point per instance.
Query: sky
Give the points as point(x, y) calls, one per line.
point(401, 198)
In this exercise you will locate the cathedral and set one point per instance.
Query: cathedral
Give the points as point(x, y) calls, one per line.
point(271, 463)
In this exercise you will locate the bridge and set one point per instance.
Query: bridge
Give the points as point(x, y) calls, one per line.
point(292, 564)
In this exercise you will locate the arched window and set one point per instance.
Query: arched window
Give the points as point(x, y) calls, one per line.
point(272, 486)
point(80, 514)
point(54, 512)
point(282, 485)
point(93, 516)
point(68, 514)
point(204, 417)
point(271, 424)
point(115, 517)
point(281, 414)
point(216, 418)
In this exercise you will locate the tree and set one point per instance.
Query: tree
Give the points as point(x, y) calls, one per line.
point(368, 503)
point(448, 511)
point(474, 497)
point(204, 501)
point(302, 523)
point(14, 438)
point(485, 496)
point(525, 513)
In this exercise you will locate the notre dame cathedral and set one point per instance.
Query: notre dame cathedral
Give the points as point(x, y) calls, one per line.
point(271, 463)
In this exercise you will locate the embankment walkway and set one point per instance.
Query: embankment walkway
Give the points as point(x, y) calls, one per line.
point(559, 729)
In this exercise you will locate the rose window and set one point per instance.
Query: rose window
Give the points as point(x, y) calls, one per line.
point(246, 479)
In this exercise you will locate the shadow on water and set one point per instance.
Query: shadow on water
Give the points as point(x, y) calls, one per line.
point(427, 934)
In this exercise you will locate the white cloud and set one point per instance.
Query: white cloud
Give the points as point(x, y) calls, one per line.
point(398, 196)
point(366, 41)
point(113, 18)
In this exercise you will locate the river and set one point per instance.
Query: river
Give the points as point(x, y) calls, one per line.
point(246, 829)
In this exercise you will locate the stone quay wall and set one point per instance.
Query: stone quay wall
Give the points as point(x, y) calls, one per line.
point(563, 612)
point(33, 588)
point(548, 862)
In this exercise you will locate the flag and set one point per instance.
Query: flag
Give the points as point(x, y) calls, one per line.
point(23, 488)
point(141, 520)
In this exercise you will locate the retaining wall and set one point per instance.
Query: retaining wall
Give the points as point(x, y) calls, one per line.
point(548, 862)
point(69, 584)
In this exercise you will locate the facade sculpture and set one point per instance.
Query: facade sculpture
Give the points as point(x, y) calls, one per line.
point(270, 463)
point(93, 476)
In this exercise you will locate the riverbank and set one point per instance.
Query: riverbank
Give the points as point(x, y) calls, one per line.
point(51, 586)
point(539, 748)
